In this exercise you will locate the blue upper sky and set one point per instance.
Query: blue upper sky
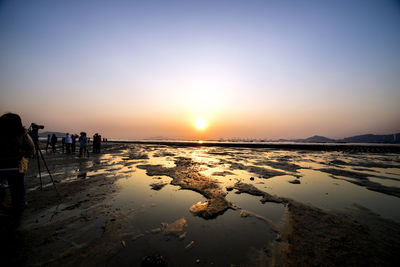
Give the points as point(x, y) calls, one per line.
point(251, 68)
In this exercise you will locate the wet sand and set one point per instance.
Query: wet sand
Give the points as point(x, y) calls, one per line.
point(135, 204)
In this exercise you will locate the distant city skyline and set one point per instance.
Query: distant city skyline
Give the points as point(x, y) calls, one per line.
point(203, 69)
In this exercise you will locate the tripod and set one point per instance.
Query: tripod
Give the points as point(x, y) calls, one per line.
point(39, 152)
point(33, 131)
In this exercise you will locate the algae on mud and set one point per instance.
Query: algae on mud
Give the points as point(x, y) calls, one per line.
point(187, 176)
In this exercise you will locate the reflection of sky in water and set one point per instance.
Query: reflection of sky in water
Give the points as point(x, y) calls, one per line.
point(316, 188)
point(229, 236)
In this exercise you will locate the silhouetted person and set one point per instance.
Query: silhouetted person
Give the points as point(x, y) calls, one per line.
point(83, 143)
point(99, 143)
point(48, 141)
point(16, 147)
point(73, 144)
point(95, 143)
point(63, 144)
point(53, 142)
point(68, 142)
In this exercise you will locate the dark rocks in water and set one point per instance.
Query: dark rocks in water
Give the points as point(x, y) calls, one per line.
point(282, 165)
point(211, 208)
point(223, 173)
point(262, 172)
point(345, 173)
point(338, 162)
point(164, 154)
point(365, 164)
point(361, 179)
point(82, 175)
point(296, 181)
point(157, 186)
point(153, 261)
point(252, 190)
point(138, 155)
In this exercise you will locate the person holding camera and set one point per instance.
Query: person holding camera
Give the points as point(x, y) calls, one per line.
point(16, 147)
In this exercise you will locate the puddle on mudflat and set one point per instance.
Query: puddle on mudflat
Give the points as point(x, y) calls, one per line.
point(228, 236)
point(129, 218)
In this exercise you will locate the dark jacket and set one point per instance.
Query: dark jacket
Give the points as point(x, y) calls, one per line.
point(12, 149)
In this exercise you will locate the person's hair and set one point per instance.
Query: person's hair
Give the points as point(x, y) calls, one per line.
point(11, 125)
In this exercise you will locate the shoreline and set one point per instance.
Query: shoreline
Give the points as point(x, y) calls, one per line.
point(362, 147)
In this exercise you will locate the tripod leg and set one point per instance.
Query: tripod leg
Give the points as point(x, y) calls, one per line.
point(38, 163)
point(51, 177)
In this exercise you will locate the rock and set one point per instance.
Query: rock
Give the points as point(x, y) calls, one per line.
point(252, 190)
point(156, 230)
point(82, 175)
point(244, 213)
point(296, 181)
point(182, 236)
point(251, 178)
point(153, 260)
point(157, 186)
point(211, 208)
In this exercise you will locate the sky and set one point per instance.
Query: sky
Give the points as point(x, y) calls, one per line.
point(246, 69)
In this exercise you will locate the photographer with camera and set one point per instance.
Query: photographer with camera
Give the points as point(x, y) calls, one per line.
point(16, 147)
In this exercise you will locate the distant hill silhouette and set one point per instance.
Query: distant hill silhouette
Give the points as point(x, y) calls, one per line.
point(317, 139)
point(372, 138)
point(365, 138)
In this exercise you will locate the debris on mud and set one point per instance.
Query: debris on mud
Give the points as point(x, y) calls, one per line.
point(252, 190)
point(246, 213)
point(189, 245)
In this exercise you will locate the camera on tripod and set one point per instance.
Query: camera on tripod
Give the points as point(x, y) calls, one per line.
point(34, 132)
point(36, 126)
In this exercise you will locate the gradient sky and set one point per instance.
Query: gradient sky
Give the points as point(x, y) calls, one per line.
point(251, 69)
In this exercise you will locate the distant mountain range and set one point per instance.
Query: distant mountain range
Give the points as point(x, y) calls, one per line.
point(365, 138)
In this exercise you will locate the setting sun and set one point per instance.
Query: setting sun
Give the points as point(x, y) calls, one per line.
point(200, 124)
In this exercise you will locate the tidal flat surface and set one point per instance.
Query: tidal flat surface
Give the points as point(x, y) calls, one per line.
point(212, 206)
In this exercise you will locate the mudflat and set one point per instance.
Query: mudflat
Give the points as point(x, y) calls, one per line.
point(143, 204)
